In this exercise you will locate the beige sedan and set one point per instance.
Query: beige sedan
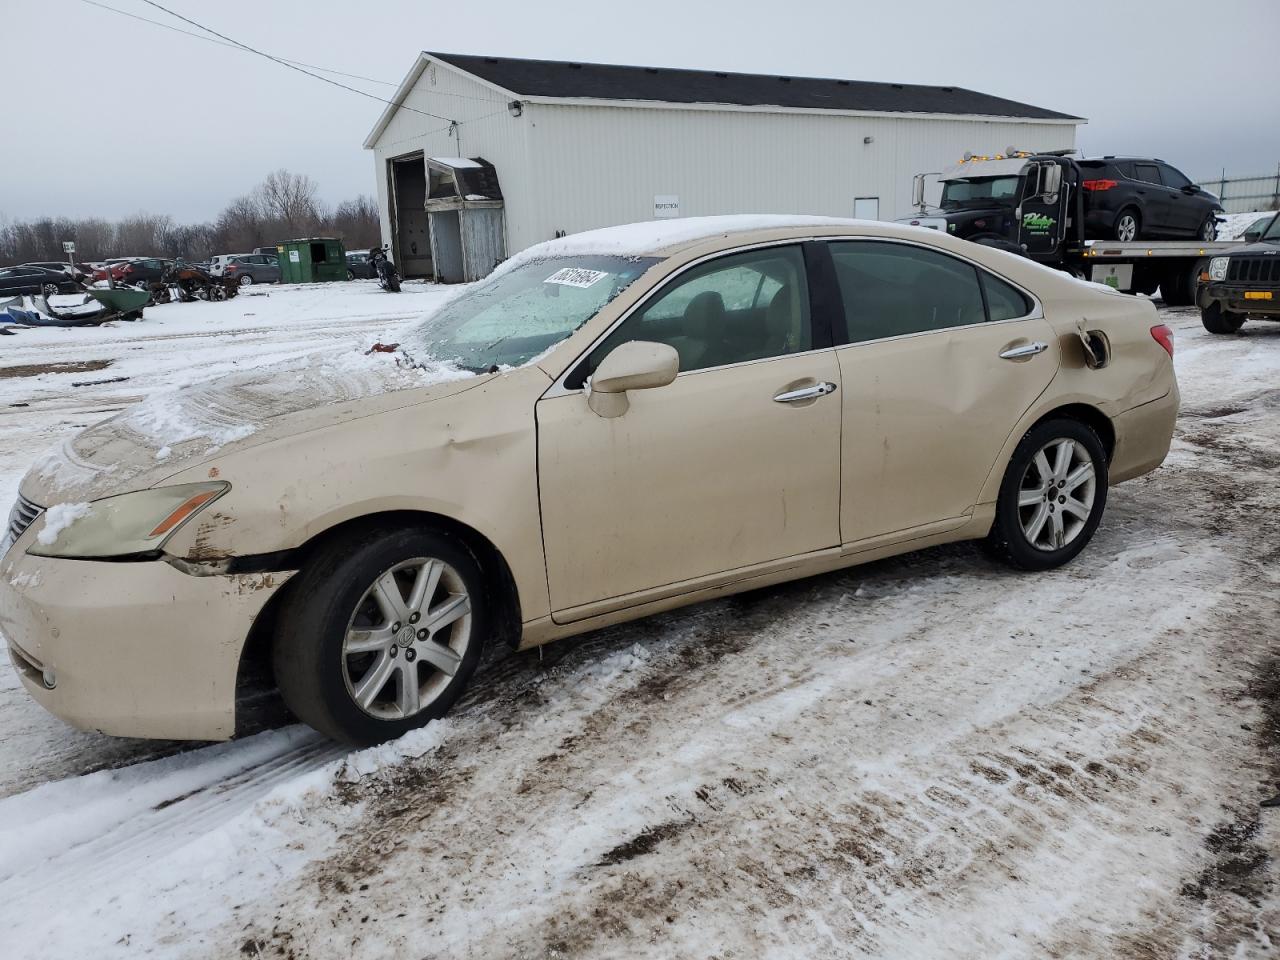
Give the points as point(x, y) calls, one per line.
point(613, 424)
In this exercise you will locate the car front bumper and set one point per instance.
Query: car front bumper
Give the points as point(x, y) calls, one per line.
point(130, 649)
point(1232, 297)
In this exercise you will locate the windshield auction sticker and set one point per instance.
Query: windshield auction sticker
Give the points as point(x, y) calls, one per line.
point(575, 277)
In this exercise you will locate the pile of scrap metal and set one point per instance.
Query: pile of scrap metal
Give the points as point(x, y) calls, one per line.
point(189, 282)
point(93, 307)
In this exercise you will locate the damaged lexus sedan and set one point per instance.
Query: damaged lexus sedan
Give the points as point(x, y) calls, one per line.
point(611, 425)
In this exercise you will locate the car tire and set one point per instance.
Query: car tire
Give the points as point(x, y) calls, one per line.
point(1036, 527)
point(245, 280)
point(48, 289)
point(341, 657)
point(1208, 231)
point(1217, 320)
point(1178, 285)
point(1128, 226)
point(351, 274)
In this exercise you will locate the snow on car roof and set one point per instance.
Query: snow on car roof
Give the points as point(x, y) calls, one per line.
point(641, 239)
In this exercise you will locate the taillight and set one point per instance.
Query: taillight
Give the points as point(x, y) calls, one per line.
point(1162, 335)
point(230, 266)
point(1100, 184)
point(127, 268)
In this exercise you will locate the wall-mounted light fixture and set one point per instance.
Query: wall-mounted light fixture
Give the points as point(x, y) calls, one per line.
point(515, 107)
point(868, 139)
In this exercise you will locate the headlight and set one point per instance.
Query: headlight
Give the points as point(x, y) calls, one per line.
point(1218, 268)
point(120, 526)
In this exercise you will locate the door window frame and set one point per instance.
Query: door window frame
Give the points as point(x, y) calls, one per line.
point(841, 319)
point(822, 310)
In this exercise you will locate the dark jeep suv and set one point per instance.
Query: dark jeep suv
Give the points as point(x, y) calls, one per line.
point(1131, 198)
point(1244, 285)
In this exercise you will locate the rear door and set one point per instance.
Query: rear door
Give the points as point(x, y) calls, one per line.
point(942, 360)
point(1041, 224)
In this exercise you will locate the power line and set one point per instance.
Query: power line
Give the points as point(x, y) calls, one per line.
point(220, 43)
point(291, 66)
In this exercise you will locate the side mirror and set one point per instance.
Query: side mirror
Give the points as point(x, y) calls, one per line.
point(1190, 188)
point(917, 190)
point(1050, 180)
point(635, 365)
point(1252, 236)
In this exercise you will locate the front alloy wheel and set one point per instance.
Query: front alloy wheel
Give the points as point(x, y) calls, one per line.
point(379, 633)
point(407, 638)
point(1052, 496)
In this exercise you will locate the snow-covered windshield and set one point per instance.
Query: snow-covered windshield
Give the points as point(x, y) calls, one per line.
point(957, 193)
point(523, 311)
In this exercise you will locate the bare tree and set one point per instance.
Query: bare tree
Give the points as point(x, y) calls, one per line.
point(144, 234)
point(241, 226)
point(282, 207)
point(290, 198)
point(356, 222)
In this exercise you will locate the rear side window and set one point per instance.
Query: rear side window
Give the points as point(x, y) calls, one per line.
point(1147, 172)
point(1004, 301)
point(892, 289)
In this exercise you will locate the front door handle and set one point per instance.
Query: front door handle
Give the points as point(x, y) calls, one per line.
point(806, 393)
point(1025, 351)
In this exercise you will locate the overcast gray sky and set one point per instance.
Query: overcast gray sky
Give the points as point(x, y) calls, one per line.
point(105, 116)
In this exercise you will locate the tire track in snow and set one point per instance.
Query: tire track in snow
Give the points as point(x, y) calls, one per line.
point(131, 817)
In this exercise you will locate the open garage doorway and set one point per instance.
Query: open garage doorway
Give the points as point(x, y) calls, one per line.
point(410, 239)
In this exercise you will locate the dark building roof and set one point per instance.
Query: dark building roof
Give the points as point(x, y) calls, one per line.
point(562, 79)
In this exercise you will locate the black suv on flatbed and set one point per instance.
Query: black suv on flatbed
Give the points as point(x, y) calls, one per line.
point(1132, 198)
point(1244, 285)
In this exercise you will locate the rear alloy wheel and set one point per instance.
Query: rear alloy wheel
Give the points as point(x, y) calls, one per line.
point(1127, 227)
point(1217, 320)
point(1209, 229)
point(48, 289)
point(1052, 497)
point(245, 279)
point(381, 634)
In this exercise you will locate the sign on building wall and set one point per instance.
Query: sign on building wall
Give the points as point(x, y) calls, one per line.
point(666, 207)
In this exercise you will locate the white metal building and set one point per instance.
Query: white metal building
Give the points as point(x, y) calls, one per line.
point(479, 157)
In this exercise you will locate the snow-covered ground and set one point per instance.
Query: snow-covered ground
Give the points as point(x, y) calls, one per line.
point(925, 757)
point(1234, 224)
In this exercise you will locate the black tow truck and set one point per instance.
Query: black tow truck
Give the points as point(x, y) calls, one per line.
point(1243, 284)
point(1032, 204)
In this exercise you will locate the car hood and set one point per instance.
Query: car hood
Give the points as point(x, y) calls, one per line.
point(179, 429)
point(1263, 247)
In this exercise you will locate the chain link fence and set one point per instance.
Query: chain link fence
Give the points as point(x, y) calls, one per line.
point(1243, 194)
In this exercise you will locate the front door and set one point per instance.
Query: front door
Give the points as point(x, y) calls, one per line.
point(735, 463)
point(1157, 210)
point(1042, 224)
point(934, 379)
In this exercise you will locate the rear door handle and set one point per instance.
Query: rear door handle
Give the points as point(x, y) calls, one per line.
point(1025, 351)
point(806, 393)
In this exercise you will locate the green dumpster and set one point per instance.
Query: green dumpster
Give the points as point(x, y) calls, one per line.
point(312, 260)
